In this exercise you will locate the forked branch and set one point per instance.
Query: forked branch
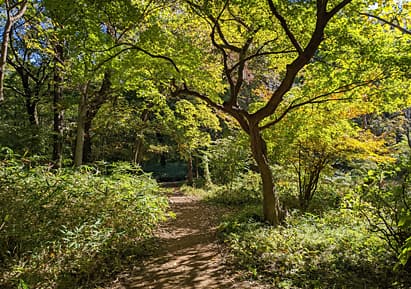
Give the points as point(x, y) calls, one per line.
point(302, 60)
point(322, 98)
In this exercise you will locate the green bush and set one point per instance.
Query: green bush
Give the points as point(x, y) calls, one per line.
point(228, 157)
point(385, 199)
point(244, 189)
point(333, 251)
point(68, 229)
point(332, 187)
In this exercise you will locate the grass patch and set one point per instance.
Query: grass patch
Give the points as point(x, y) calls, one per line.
point(333, 251)
point(244, 190)
point(73, 229)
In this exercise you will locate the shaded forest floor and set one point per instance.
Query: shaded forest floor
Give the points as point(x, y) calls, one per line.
point(188, 255)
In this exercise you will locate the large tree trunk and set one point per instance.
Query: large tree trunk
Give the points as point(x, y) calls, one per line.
point(91, 108)
point(271, 203)
point(57, 107)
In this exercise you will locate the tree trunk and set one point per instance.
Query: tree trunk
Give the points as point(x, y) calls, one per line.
point(196, 168)
point(138, 153)
point(31, 100)
point(271, 203)
point(190, 169)
point(91, 108)
point(3, 58)
point(32, 111)
point(57, 107)
point(81, 120)
point(10, 20)
point(87, 150)
point(207, 175)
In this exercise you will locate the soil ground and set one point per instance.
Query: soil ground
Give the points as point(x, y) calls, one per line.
point(189, 255)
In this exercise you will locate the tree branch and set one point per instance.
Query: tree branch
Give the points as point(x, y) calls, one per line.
point(284, 25)
point(318, 99)
point(240, 73)
point(12, 87)
point(132, 47)
point(186, 91)
point(10, 21)
point(217, 27)
point(303, 59)
point(21, 11)
point(152, 55)
point(237, 114)
point(388, 22)
point(264, 54)
point(337, 8)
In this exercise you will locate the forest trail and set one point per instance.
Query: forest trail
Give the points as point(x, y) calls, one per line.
point(189, 256)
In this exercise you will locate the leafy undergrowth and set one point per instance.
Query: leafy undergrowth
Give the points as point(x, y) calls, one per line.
point(245, 189)
point(73, 229)
point(333, 251)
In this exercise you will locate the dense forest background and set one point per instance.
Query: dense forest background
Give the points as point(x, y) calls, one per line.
point(296, 113)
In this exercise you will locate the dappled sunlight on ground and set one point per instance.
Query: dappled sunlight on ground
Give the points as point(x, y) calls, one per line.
point(190, 256)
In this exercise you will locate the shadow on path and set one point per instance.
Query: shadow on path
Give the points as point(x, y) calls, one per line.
point(189, 256)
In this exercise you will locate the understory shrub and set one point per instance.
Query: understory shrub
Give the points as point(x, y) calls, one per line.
point(244, 189)
point(70, 229)
point(385, 200)
point(333, 251)
point(228, 158)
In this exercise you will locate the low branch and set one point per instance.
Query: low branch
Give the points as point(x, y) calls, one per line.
point(186, 91)
point(239, 115)
point(12, 87)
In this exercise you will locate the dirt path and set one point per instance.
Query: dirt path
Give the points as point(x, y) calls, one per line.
point(190, 256)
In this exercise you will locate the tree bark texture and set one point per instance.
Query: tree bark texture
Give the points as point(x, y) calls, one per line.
point(92, 106)
point(31, 98)
point(271, 203)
